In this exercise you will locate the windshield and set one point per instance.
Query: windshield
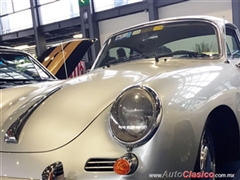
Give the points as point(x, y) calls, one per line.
point(188, 40)
point(20, 66)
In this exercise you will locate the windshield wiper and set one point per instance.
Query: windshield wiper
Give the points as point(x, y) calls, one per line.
point(182, 52)
point(131, 58)
point(15, 82)
point(5, 83)
point(141, 56)
point(21, 81)
point(115, 61)
point(235, 54)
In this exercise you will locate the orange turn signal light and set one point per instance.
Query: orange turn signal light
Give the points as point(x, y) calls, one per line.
point(121, 167)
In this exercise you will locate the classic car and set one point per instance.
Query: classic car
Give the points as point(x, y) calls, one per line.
point(60, 61)
point(20, 68)
point(162, 100)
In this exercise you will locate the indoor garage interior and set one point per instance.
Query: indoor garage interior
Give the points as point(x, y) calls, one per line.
point(94, 101)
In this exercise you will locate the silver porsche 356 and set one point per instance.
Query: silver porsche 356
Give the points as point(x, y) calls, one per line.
point(162, 100)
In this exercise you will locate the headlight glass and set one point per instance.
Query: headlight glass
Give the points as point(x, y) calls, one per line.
point(135, 115)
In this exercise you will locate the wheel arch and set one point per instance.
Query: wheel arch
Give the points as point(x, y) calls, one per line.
point(224, 128)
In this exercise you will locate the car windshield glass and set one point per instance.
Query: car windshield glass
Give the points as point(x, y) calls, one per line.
point(184, 40)
point(19, 66)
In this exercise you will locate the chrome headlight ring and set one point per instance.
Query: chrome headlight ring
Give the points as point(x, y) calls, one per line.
point(135, 116)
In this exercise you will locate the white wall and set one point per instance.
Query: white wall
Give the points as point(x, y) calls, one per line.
point(218, 8)
point(108, 27)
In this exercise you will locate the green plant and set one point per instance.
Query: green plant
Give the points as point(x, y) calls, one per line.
point(202, 47)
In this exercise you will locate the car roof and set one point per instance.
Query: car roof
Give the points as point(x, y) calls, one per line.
point(213, 19)
point(7, 48)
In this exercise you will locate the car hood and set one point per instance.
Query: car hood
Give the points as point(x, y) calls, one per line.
point(62, 59)
point(65, 114)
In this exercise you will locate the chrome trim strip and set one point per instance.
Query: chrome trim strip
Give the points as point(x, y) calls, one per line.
point(100, 162)
point(13, 133)
point(99, 167)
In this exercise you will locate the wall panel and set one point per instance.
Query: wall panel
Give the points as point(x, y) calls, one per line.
point(198, 7)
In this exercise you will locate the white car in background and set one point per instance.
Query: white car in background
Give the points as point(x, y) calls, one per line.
point(20, 68)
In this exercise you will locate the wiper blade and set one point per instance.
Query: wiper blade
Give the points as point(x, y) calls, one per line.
point(46, 79)
point(115, 61)
point(141, 56)
point(14, 82)
point(131, 58)
point(235, 54)
point(183, 52)
point(6, 83)
point(109, 63)
point(3, 82)
point(21, 81)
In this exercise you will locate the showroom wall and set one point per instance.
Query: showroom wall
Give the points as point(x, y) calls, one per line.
point(198, 7)
point(107, 27)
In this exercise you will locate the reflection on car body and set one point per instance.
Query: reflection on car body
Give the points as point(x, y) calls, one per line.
point(172, 105)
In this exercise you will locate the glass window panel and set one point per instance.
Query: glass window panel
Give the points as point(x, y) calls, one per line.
point(5, 25)
point(233, 47)
point(119, 3)
point(20, 66)
point(101, 5)
point(40, 2)
point(5, 7)
point(20, 5)
point(54, 12)
point(162, 40)
point(16, 21)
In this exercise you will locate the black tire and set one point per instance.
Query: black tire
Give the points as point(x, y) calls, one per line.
point(206, 156)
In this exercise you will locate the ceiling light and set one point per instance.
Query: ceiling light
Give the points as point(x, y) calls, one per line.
point(79, 36)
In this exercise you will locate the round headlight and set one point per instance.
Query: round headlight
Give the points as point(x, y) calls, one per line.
point(134, 115)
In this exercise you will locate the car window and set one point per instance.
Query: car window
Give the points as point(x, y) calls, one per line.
point(186, 40)
point(113, 52)
point(19, 66)
point(203, 44)
point(233, 47)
